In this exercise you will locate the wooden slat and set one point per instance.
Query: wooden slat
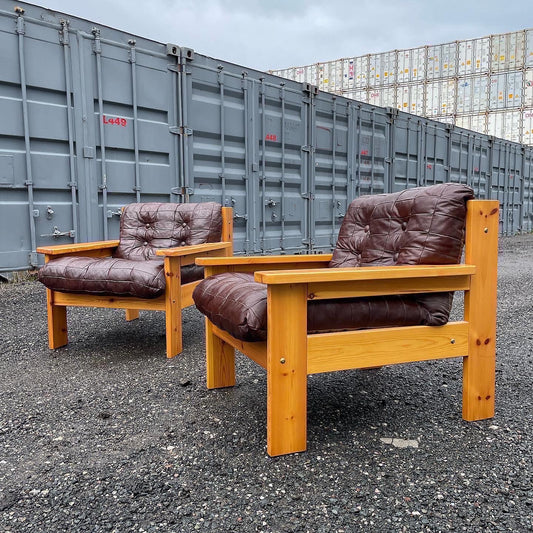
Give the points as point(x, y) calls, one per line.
point(60, 249)
point(220, 359)
point(256, 351)
point(173, 306)
point(328, 352)
point(186, 294)
point(265, 260)
point(479, 370)
point(194, 249)
point(353, 289)
point(286, 369)
point(227, 228)
point(218, 269)
point(57, 321)
point(118, 302)
point(132, 314)
point(362, 273)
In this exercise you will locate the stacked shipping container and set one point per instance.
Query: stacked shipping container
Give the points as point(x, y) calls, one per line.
point(483, 84)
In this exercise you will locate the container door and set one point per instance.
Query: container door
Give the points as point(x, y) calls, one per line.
point(246, 148)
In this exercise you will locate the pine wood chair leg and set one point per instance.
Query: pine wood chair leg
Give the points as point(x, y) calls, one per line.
point(480, 311)
point(287, 369)
point(220, 360)
point(57, 322)
point(173, 307)
point(132, 314)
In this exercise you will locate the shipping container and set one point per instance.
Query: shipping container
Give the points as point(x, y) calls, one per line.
point(330, 76)
point(509, 122)
point(382, 96)
point(357, 94)
point(94, 118)
point(410, 98)
point(441, 61)
point(476, 122)
point(508, 51)
point(472, 94)
point(529, 49)
point(527, 126)
point(440, 98)
point(505, 90)
point(382, 69)
point(473, 57)
point(411, 65)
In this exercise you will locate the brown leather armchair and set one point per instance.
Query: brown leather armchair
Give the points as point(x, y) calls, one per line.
point(383, 297)
point(151, 266)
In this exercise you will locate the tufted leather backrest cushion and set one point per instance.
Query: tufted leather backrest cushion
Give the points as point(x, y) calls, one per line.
point(144, 227)
point(416, 226)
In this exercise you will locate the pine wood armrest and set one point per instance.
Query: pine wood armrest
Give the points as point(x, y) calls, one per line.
point(60, 249)
point(263, 260)
point(331, 283)
point(193, 249)
point(321, 275)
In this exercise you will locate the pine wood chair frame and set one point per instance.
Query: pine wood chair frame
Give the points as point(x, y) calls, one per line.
point(175, 298)
point(290, 354)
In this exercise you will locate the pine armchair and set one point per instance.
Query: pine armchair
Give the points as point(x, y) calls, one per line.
point(151, 266)
point(383, 297)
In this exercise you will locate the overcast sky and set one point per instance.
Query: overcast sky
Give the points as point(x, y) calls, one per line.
point(271, 34)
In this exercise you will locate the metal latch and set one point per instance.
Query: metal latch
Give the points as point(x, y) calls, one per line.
point(111, 214)
point(58, 233)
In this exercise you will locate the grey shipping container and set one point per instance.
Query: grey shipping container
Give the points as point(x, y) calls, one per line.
point(92, 118)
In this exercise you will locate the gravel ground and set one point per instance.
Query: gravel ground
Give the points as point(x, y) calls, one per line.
point(106, 434)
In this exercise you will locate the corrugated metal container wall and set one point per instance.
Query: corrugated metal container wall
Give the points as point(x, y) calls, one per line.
point(93, 118)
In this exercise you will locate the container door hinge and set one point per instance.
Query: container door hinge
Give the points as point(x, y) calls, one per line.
point(180, 130)
point(182, 191)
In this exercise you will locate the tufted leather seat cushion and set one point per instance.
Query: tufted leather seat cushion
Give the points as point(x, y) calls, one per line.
point(134, 269)
point(410, 227)
point(105, 276)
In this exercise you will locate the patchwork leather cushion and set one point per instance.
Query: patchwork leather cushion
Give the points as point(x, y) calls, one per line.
point(144, 227)
point(415, 226)
point(111, 276)
point(105, 275)
point(420, 226)
point(235, 303)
